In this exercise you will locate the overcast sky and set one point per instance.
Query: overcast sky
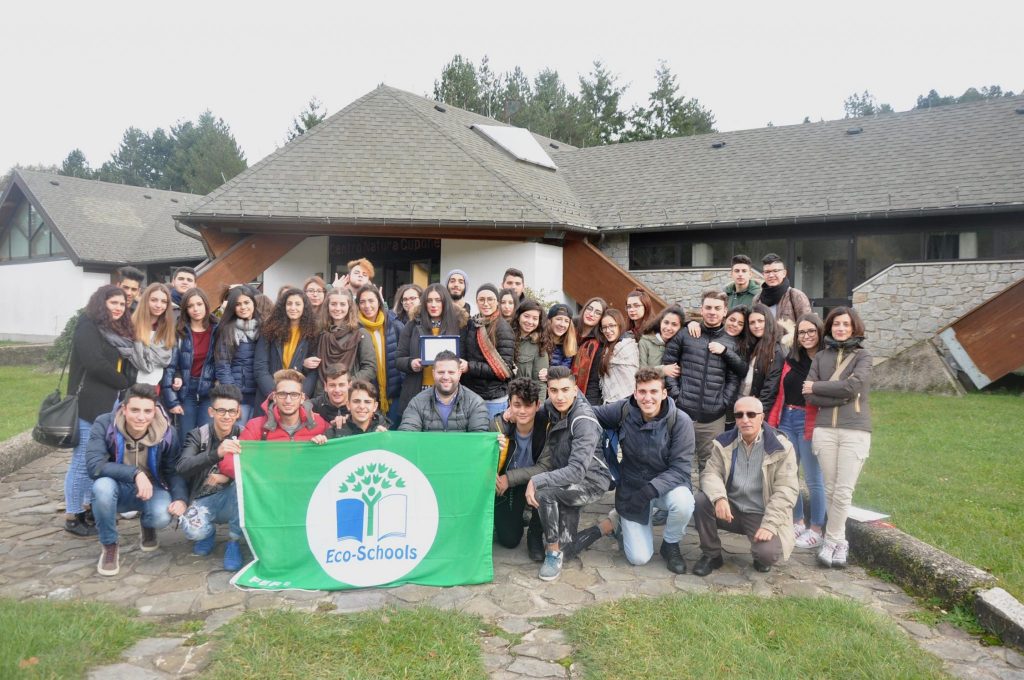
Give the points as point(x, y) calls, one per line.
point(78, 74)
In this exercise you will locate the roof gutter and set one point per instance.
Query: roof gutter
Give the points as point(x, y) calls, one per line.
point(191, 233)
point(271, 220)
point(989, 208)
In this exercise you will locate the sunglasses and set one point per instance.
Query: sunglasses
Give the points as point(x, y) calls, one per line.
point(749, 415)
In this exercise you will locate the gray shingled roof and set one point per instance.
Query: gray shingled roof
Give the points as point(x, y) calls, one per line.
point(948, 157)
point(391, 157)
point(107, 223)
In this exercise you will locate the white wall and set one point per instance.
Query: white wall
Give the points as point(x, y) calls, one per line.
point(38, 298)
point(486, 261)
point(298, 264)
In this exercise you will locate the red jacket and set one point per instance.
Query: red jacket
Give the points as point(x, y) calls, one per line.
point(267, 428)
point(775, 415)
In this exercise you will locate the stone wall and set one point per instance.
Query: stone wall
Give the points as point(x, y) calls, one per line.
point(907, 303)
point(676, 286)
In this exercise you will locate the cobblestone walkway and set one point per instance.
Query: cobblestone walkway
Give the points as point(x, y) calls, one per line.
point(39, 560)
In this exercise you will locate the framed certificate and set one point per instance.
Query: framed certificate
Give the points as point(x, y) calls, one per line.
point(432, 345)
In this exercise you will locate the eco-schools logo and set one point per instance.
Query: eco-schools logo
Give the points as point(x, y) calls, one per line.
point(371, 519)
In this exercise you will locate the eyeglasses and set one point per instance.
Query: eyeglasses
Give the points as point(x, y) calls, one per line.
point(414, 298)
point(288, 396)
point(610, 327)
point(593, 309)
point(766, 272)
point(749, 415)
point(315, 290)
point(810, 331)
point(224, 412)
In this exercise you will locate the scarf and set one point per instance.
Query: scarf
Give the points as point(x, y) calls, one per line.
point(289, 346)
point(847, 345)
point(337, 346)
point(245, 331)
point(145, 358)
point(377, 335)
point(584, 361)
point(770, 296)
point(483, 341)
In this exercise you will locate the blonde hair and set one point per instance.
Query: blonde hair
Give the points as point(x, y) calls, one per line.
point(364, 263)
point(162, 328)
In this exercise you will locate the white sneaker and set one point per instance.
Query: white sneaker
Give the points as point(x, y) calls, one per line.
point(131, 514)
point(828, 548)
point(809, 539)
point(798, 529)
point(839, 556)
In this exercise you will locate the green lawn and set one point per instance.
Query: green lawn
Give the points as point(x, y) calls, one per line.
point(407, 643)
point(42, 639)
point(731, 636)
point(22, 388)
point(950, 472)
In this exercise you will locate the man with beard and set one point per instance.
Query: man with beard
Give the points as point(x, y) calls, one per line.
point(448, 407)
point(457, 282)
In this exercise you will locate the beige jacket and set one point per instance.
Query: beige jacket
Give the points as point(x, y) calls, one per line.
point(781, 488)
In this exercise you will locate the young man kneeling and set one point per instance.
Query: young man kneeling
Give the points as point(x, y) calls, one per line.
point(132, 455)
point(212, 495)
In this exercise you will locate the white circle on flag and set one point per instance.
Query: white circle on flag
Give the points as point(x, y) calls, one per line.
point(371, 519)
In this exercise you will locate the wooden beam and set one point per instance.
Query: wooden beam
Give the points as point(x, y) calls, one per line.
point(217, 241)
point(242, 262)
point(992, 334)
point(587, 273)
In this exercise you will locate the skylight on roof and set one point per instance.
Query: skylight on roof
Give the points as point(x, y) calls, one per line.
point(517, 141)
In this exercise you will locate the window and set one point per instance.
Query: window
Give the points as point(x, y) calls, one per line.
point(27, 236)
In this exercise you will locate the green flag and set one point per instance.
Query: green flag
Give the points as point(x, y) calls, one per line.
point(371, 510)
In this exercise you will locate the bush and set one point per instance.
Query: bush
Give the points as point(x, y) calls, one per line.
point(58, 354)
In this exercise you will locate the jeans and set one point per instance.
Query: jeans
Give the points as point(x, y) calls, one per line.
point(217, 508)
point(110, 497)
point(496, 407)
point(792, 425)
point(195, 414)
point(842, 454)
point(77, 485)
point(246, 410)
point(560, 509)
point(638, 539)
point(508, 517)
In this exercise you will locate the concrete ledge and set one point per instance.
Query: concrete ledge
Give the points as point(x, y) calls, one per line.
point(23, 355)
point(916, 565)
point(20, 450)
point(1001, 613)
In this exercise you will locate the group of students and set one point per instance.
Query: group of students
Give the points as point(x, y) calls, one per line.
point(323, 361)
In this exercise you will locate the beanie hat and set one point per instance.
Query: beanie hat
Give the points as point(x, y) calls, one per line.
point(456, 271)
point(488, 286)
point(559, 310)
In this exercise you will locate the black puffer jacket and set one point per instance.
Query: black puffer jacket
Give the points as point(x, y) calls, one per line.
point(480, 378)
point(706, 387)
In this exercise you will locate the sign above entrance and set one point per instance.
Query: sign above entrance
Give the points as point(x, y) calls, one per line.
point(380, 249)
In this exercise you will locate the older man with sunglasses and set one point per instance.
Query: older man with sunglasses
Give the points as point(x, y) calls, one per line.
point(749, 487)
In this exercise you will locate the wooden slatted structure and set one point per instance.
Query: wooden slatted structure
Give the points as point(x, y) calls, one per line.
point(988, 341)
point(587, 273)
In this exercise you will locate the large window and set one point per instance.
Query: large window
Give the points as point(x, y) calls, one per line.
point(27, 236)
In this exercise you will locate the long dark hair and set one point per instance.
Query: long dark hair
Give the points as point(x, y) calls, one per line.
point(96, 310)
point(596, 330)
point(226, 344)
point(184, 320)
point(744, 341)
point(278, 326)
point(609, 346)
point(797, 353)
point(369, 287)
point(637, 327)
point(535, 336)
point(654, 325)
point(764, 348)
point(452, 316)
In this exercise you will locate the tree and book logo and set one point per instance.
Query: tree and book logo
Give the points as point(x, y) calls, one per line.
point(372, 518)
point(377, 506)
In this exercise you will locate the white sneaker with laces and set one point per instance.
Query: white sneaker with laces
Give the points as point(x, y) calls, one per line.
point(839, 556)
point(828, 548)
point(809, 539)
point(798, 529)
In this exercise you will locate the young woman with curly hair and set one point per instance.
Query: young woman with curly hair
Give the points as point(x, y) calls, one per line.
point(235, 354)
point(288, 340)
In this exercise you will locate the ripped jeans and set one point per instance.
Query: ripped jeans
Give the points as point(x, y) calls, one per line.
point(205, 512)
point(560, 509)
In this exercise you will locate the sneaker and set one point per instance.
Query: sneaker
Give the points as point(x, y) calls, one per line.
point(232, 556)
point(78, 527)
point(809, 539)
point(613, 515)
point(131, 514)
point(673, 558)
point(204, 546)
point(839, 556)
point(828, 548)
point(108, 564)
point(798, 529)
point(148, 541)
point(552, 567)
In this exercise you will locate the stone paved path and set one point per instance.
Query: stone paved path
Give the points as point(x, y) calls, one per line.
point(39, 560)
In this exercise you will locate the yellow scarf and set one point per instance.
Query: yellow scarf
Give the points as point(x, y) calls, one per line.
point(288, 350)
point(376, 331)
